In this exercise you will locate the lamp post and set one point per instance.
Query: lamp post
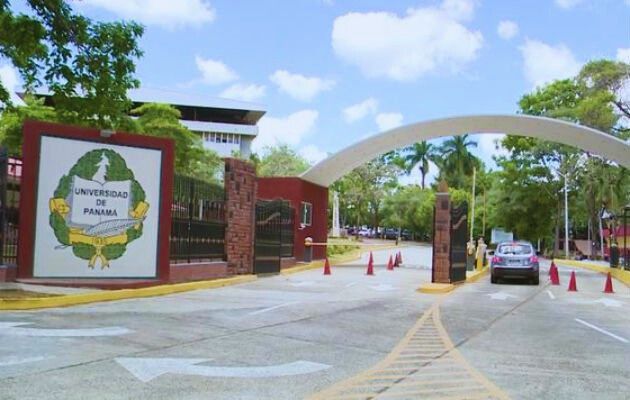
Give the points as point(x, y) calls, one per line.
point(626, 215)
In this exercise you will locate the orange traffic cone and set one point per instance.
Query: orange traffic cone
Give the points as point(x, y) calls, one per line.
point(553, 266)
point(390, 264)
point(400, 261)
point(370, 267)
point(553, 275)
point(572, 284)
point(396, 260)
point(326, 267)
point(608, 287)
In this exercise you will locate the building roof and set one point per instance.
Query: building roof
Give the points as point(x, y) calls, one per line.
point(202, 126)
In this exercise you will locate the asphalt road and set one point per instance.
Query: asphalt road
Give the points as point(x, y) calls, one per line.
point(292, 337)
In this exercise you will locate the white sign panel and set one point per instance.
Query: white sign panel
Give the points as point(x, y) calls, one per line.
point(97, 210)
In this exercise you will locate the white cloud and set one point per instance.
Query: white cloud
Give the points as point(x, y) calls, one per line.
point(241, 91)
point(404, 48)
point(284, 130)
point(214, 72)
point(300, 87)
point(507, 29)
point(312, 153)
point(166, 13)
point(566, 4)
point(544, 63)
point(360, 110)
point(387, 121)
point(623, 55)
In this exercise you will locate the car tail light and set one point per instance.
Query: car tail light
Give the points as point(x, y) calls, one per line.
point(533, 259)
point(497, 260)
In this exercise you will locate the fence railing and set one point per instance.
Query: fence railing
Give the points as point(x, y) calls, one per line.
point(197, 221)
point(10, 177)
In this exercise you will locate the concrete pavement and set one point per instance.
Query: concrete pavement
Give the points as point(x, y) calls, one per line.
point(287, 337)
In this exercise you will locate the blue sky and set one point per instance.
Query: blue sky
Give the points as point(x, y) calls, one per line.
point(396, 62)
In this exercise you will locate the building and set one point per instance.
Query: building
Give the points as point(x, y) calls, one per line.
point(225, 126)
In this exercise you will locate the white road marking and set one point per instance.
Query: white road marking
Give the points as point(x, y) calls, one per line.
point(4, 362)
point(351, 284)
point(383, 287)
point(303, 283)
point(551, 296)
point(146, 369)
point(264, 310)
point(608, 302)
point(15, 329)
point(501, 296)
point(605, 332)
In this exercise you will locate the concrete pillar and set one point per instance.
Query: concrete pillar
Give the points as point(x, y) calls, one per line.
point(240, 204)
point(336, 229)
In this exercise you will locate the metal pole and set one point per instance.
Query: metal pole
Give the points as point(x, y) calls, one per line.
point(566, 219)
point(625, 235)
point(483, 230)
point(472, 223)
point(601, 237)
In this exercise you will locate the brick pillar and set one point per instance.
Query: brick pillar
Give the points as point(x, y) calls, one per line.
point(442, 236)
point(240, 202)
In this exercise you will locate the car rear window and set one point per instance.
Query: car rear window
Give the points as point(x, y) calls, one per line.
point(515, 249)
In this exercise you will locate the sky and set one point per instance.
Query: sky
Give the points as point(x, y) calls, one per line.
point(332, 72)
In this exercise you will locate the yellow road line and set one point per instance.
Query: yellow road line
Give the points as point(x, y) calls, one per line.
point(413, 370)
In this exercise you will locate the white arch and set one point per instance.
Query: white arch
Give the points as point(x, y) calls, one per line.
point(334, 167)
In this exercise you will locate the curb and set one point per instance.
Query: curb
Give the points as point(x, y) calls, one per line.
point(436, 288)
point(351, 256)
point(476, 275)
point(439, 288)
point(93, 297)
point(619, 274)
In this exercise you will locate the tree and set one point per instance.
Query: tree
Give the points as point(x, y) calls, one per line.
point(456, 161)
point(281, 161)
point(419, 154)
point(12, 119)
point(88, 66)
point(191, 158)
point(411, 208)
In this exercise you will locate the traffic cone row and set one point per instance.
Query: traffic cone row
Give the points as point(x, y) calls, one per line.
point(390, 264)
point(370, 267)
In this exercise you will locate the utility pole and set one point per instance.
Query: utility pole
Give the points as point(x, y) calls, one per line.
point(472, 223)
point(566, 218)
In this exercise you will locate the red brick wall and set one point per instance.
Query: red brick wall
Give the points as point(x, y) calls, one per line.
point(198, 271)
point(442, 239)
point(296, 191)
point(240, 201)
point(7, 273)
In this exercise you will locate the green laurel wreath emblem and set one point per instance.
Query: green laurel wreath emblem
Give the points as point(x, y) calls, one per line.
point(86, 167)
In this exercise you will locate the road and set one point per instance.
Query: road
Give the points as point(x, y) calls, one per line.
point(313, 336)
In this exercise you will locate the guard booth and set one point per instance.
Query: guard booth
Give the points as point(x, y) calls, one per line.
point(450, 227)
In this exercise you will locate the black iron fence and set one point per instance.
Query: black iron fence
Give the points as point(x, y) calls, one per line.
point(10, 177)
point(274, 235)
point(197, 221)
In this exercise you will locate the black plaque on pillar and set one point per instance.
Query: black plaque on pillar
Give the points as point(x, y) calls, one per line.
point(459, 232)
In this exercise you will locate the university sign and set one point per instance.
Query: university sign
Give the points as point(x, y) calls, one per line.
point(101, 208)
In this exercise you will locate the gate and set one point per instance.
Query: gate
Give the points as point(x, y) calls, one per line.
point(274, 235)
point(459, 232)
point(197, 221)
point(10, 176)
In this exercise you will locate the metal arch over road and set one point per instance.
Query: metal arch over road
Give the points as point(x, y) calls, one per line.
point(334, 167)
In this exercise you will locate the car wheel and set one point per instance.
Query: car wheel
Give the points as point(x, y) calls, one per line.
point(536, 281)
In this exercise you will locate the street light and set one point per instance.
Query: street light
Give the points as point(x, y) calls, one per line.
point(626, 215)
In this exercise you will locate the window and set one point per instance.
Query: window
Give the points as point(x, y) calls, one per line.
point(306, 214)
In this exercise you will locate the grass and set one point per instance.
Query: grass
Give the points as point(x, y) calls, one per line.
point(12, 294)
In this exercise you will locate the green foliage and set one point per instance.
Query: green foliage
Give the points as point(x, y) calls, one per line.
point(410, 208)
point(419, 154)
point(280, 161)
point(88, 66)
point(12, 119)
point(456, 162)
point(335, 249)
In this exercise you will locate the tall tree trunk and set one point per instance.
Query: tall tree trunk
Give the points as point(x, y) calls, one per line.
point(423, 175)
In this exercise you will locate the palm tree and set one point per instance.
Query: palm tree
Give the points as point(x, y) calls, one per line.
point(419, 154)
point(457, 161)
